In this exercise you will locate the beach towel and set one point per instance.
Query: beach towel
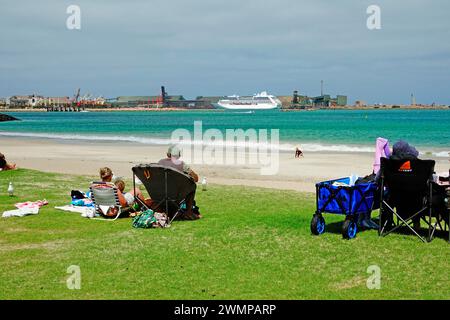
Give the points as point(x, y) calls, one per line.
point(381, 151)
point(83, 202)
point(25, 208)
point(351, 181)
point(150, 219)
point(86, 212)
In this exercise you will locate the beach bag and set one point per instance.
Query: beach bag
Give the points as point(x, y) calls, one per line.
point(150, 219)
point(162, 220)
point(145, 219)
point(77, 195)
point(366, 179)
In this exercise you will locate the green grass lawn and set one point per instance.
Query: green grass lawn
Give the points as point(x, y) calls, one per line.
point(251, 244)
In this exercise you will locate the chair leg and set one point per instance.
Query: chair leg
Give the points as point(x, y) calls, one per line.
point(380, 223)
point(430, 209)
point(173, 218)
point(384, 225)
point(447, 223)
point(405, 222)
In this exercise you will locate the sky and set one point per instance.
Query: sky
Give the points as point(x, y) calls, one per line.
point(224, 47)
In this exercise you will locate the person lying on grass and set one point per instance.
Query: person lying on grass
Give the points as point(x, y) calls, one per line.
point(173, 161)
point(4, 165)
point(125, 198)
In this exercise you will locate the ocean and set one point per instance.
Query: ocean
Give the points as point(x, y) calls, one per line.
point(321, 130)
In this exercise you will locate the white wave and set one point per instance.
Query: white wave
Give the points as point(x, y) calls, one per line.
point(142, 140)
point(439, 154)
point(335, 148)
point(244, 112)
point(282, 147)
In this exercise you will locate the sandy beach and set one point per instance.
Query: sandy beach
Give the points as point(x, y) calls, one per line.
point(85, 158)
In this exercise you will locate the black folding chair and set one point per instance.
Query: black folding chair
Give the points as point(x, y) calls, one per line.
point(167, 187)
point(409, 196)
point(448, 209)
point(441, 206)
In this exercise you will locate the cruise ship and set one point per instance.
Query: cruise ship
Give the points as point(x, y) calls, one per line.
point(260, 101)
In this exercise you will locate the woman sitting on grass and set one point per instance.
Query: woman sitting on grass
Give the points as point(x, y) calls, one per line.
point(4, 165)
point(125, 199)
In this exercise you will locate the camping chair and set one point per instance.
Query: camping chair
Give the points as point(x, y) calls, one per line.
point(448, 209)
point(104, 195)
point(167, 187)
point(409, 191)
point(441, 206)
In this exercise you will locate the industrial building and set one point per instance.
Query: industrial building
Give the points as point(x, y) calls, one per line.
point(163, 100)
point(327, 101)
point(210, 99)
point(323, 101)
point(140, 101)
point(24, 101)
point(50, 101)
point(31, 101)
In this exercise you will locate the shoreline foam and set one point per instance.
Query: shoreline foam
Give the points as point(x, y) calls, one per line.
point(284, 146)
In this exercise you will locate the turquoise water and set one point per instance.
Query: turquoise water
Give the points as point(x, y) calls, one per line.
point(334, 130)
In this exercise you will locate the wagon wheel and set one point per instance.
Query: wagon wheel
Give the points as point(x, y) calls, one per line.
point(317, 224)
point(349, 229)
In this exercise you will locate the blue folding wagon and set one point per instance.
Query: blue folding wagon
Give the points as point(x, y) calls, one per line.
point(336, 196)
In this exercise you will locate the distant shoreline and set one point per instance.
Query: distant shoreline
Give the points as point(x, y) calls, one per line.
point(107, 110)
point(385, 107)
point(131, 109)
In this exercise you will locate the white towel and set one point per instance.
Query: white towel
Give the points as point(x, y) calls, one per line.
point(20, 212)
point(86, 212)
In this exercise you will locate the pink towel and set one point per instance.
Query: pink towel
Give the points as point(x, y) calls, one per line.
point(25, 208)
point(381, 150)
point(31, 205)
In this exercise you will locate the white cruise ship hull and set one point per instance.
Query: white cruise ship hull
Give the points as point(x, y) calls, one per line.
point(259, 106)
point(261, 101)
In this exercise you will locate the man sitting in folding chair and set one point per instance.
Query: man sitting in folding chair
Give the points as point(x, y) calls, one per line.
point(173, 161)
point(171, 191)
point(409, 195)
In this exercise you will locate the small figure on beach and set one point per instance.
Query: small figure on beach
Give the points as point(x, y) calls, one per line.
point(4, 165)
point(298, 152)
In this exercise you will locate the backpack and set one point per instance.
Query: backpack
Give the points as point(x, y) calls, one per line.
point(145, 219)
point(150, 219)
